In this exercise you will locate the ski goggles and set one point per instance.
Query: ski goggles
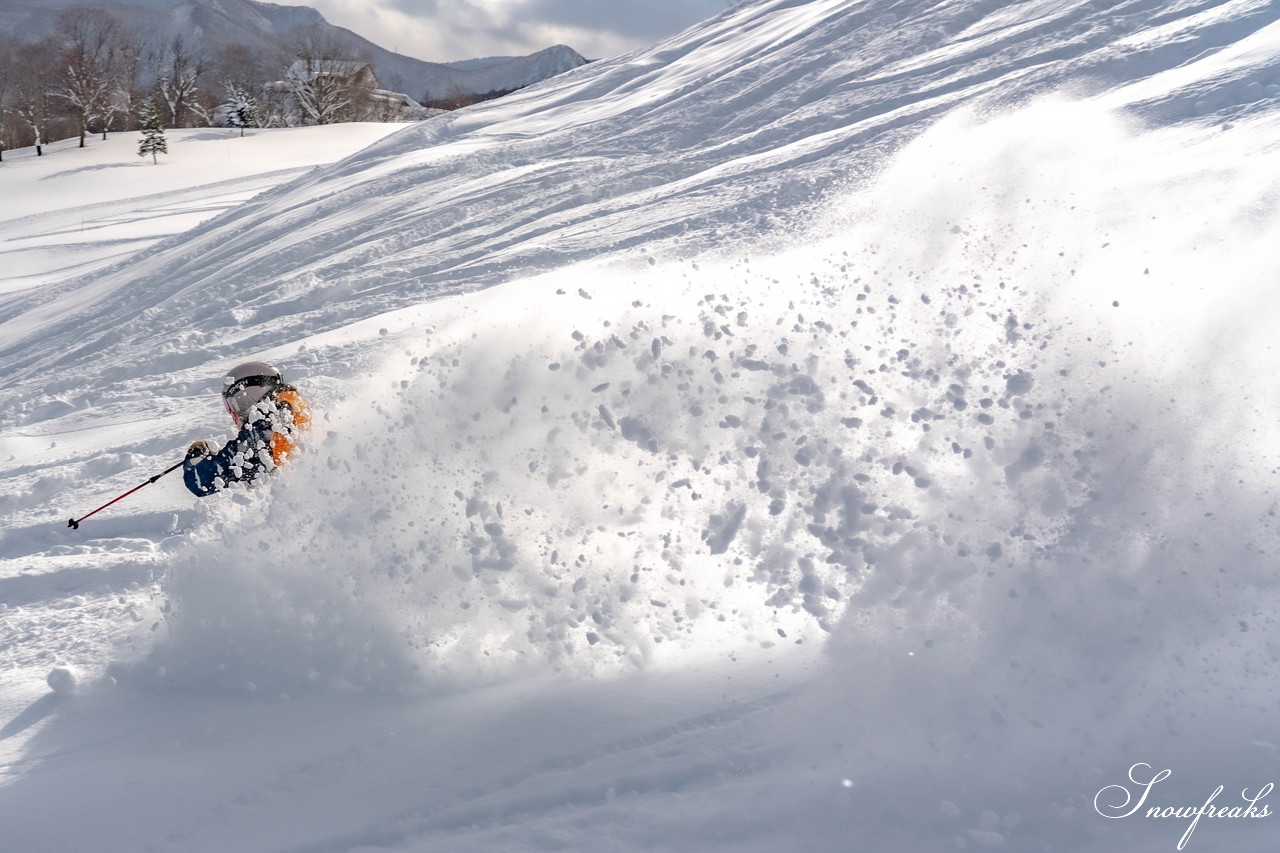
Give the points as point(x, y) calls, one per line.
point(239, 396)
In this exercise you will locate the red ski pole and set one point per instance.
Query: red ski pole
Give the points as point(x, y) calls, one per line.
point(74, 523)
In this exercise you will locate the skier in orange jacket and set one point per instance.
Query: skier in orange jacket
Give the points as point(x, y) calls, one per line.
point(269, 413)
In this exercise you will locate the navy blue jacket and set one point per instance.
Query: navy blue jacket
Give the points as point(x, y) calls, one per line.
point(241, 460)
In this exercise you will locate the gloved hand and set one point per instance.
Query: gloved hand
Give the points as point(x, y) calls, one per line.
point(199, 448)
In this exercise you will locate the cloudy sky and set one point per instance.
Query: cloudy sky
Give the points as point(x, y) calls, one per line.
point(445, 30)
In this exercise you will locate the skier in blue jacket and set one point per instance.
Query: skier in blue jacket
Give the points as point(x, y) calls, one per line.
point(269, 414)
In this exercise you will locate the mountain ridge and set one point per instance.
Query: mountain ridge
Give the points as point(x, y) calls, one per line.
point(268, 28)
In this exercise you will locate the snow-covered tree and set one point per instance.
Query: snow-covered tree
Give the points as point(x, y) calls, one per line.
point(90, 41)
point(241, 109)
point(326, 89)
point(153, 139)
point(243, 74)
point(179, 66)
point(275, 108)
point(122, 102)
point(34, 78)
point(320, 90)
point(7, 49)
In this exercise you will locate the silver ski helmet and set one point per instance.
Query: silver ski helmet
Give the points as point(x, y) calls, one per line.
point(246, 384)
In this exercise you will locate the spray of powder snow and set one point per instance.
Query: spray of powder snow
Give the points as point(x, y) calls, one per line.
point(932, 434)
point(1095, 586)
point(580, 492)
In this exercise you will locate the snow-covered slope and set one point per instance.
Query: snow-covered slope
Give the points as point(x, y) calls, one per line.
point(106, 204)
point(841, 426)
point(739, 127)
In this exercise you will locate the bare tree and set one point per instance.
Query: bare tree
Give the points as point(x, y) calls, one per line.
point(125, 97)
point(275, 106)
point(34, 79)
point(243, 67)
point(179, 67)
point(329, 81)
point(90, 41)
point(7, 49)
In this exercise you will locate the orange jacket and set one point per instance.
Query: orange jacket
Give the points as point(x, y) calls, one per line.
point(284, 437)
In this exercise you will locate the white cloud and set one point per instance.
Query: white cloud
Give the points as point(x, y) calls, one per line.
point(446, 30)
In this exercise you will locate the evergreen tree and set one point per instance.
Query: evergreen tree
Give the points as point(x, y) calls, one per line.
point(153, 141)
point(242, 108)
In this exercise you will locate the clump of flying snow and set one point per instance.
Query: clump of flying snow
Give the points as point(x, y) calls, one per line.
point(62, 680)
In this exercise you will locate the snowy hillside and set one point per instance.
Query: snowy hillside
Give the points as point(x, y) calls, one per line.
point(106, 204)
point(842, 426)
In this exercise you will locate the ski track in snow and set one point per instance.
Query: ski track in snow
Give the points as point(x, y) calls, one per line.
point(812, 432)
point(36, 249)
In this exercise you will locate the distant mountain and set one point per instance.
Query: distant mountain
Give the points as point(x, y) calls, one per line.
point(267, 28)
point(502, 73)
